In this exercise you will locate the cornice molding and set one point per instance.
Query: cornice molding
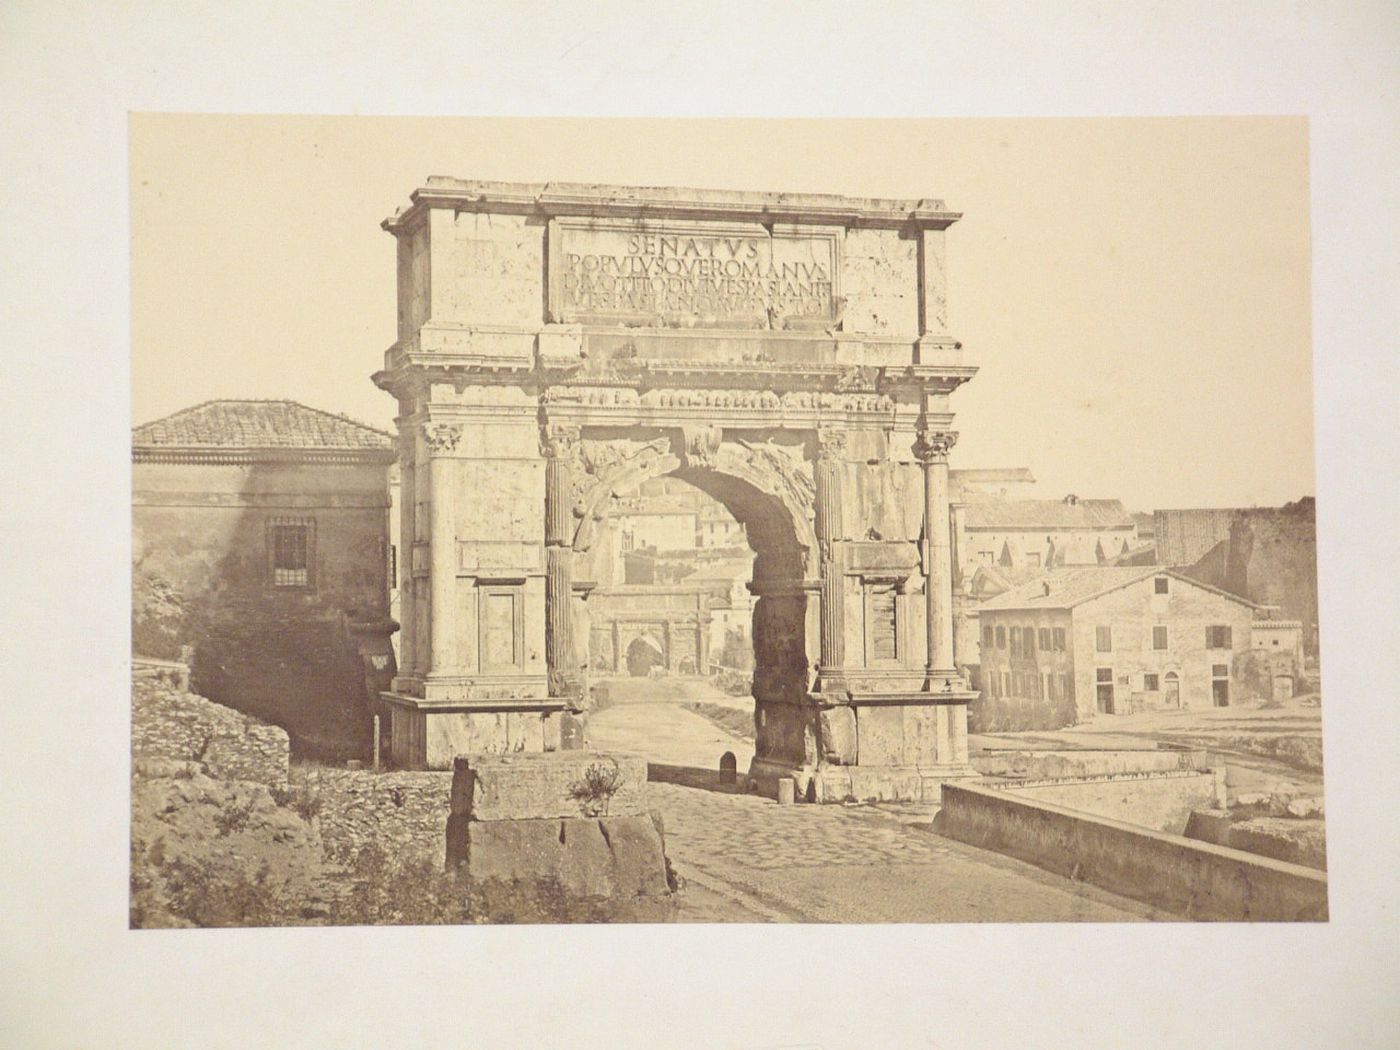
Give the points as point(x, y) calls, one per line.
point(559, 199)
point(349, 457)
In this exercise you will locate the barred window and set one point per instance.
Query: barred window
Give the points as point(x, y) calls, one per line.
point(291, 546)
point(883, 630)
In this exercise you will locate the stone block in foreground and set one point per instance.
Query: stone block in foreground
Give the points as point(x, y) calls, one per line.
point(577, 819)
point(607, 857)
point(548, 785)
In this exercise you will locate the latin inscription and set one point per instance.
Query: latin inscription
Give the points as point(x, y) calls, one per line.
point(665, 276)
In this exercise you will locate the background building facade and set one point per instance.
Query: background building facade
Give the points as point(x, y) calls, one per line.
point(260, 549)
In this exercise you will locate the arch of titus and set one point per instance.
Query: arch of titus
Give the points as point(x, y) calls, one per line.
point(787, 353)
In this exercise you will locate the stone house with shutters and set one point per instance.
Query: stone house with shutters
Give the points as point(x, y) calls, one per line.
point(1079, 643)
point(261, 554)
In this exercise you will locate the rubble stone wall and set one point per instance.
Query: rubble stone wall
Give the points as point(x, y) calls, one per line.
point(168, 724)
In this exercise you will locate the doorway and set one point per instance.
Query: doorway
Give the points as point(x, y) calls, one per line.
point(1104, 689)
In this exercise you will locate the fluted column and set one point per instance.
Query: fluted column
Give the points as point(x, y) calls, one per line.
point(408, 641)
point(831, 444)
point(558, 445)
point(441, 440)
point(932, 448)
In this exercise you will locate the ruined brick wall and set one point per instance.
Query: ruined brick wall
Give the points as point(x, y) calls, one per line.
point(1184, 536)
point(404, 812)
point(169, 725)
point(201, 578)
point(1268, 554)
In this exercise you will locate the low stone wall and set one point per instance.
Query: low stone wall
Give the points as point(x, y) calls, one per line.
point(168, 724)
point(1162, 801)
point(404, 812)
point(1294, 840)
point(1047, 764)
point(1194, 879)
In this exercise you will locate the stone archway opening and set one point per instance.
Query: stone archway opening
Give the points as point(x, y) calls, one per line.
point(643, 655)
point(697, 579)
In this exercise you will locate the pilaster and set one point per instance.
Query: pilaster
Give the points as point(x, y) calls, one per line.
point(558, 445)
point(827, 471)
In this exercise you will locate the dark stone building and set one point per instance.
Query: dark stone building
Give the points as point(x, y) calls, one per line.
point(260, 554)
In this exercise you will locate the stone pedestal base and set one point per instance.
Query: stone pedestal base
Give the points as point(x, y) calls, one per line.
point(860, 783)
point(871, 747)
point(428, 734)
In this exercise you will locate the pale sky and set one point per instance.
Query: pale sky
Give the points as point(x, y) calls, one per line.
point(1135, 291)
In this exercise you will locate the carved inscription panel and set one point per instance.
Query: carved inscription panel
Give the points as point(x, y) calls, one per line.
point(677, 274)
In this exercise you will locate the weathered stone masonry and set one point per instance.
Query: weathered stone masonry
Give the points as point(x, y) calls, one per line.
point(787, 354)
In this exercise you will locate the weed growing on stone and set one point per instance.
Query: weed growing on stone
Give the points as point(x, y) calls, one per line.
point(595, 791)
point(234, 816)
point(302, 800)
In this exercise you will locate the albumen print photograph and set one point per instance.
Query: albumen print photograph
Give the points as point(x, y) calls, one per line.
point(615, 521)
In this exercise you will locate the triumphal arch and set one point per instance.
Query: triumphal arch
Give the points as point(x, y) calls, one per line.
point(789, 354)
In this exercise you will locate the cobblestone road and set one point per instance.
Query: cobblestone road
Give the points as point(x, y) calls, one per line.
point(747, 859)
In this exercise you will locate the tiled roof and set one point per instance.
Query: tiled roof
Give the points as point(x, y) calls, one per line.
point(1047, 513)
point(1075, 586)
point(258, 425)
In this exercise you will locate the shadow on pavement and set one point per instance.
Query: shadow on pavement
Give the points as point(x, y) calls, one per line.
point(691, 777)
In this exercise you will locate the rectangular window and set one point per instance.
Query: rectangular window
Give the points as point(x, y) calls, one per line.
point(1103, 674)
point(1058, 635)
point(1103, 639)
point(1220, 670)
point(1001, 637)
point(1028, 639)
point(987, 637)
point(1150, 683)
point(1044, 639)
point(290, 548)
point(1218, 637)
point(1066, 687)
point(1006, 681)
point(1159, 637)
point(1050, 690)
point(1159, 585)
point(1015, 641)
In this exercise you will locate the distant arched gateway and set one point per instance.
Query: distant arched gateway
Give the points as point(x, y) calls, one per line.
point(788, 354)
